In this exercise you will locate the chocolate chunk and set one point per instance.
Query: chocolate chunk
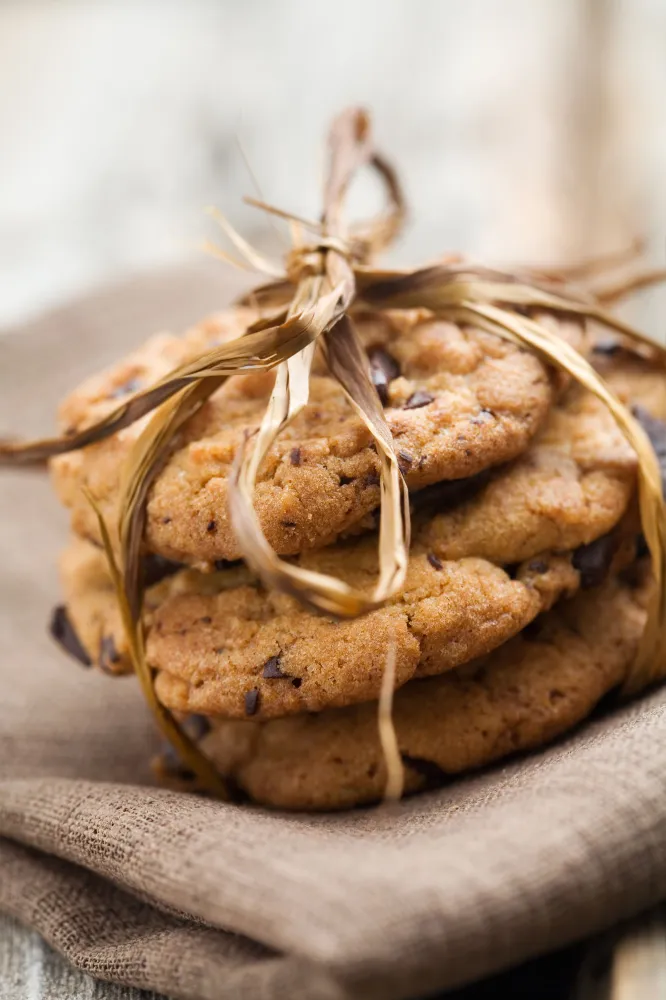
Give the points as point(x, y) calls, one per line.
point(405, 460)
point(418, 399)
point(251, 701)
point(211, 526)
point(272, 669)
point(295, 456)
point(108, 654)
point(482, 418)
point(63, 632)
point(434, 561)
point(196, 726)
point(383, 369)
point(428, 769)
point(131, 385)
point(594, 560)
point(442, 496)
point(537, 566)
point(346, 480)
point(156, 568)
point(608, 346)
point(656, 431)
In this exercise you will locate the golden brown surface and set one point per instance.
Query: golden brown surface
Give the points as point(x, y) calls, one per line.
point(521, 696)
point(571, 486)
point(216, 638)
point(489, 398)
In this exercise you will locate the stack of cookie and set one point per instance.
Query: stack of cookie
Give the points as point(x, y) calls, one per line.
point(525, 590)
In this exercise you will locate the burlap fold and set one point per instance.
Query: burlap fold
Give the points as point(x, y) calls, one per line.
point(201, 899)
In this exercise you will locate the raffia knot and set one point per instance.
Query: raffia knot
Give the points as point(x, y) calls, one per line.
point(309, 260)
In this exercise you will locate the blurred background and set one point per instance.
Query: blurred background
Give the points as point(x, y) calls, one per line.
point(526, 129)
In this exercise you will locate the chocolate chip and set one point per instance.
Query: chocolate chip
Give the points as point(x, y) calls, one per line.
point(272, 669)
point(594, 560)
point(295, 456)
point(383, 369)
point(608, 346)
point(482, 417)
point(63, 632)
point(434, 561)
point(196, 726)
point(418, 399)
point(296, 682)
point(131, 385)
point(346, 480)
point(656, 431)
point(372, 479)
point(537, 566)
point(442, 496)
point(434, 775)
point(156, 568)
point(211, 526)
point(251, 701)
point(405, 460)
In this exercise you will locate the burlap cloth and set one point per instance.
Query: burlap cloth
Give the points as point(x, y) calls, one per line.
point(200, 899)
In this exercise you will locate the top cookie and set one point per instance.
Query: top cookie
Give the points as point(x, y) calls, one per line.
point(457, 401)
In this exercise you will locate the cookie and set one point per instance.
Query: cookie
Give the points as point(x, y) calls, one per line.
point(456, 399)
point(572, 486)
point(521, 696)
point(222, 644)
point(89, 625)
point(635, 379)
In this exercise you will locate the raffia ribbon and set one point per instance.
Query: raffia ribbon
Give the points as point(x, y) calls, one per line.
point(313, 297)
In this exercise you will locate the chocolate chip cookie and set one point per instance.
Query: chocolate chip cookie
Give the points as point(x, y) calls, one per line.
point(456, 399)
point(570, 487)
point(222, 644)
point(523, 695)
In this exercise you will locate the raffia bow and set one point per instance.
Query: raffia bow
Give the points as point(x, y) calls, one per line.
point(313, 298)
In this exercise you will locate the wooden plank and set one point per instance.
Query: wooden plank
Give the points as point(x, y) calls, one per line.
point(30, 970)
